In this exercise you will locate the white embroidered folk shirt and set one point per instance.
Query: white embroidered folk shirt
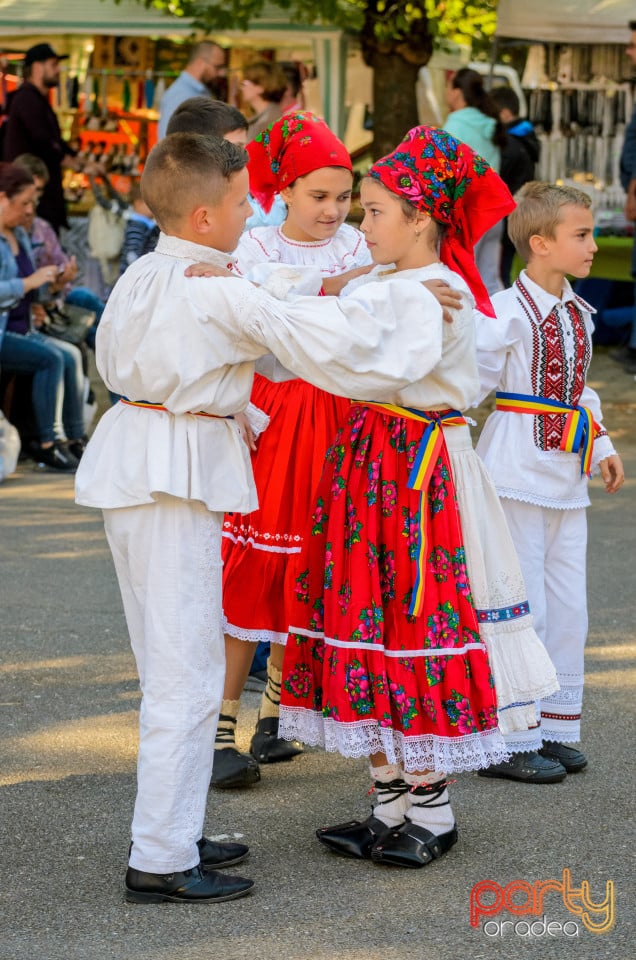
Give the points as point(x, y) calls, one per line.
point(537, 345)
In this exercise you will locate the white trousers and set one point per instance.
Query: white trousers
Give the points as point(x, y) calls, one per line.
point(167, 557)
point(551, 545)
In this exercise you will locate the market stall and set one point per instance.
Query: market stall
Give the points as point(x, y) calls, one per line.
point(581, 97)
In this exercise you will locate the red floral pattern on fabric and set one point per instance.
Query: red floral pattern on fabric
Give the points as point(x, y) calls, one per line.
point(354, 653)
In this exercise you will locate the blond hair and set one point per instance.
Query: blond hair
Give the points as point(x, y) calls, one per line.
point(186, 170)
point(538, 212)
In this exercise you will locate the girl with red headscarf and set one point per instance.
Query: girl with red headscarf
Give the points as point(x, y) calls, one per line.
point(299, 158)
point(412, 641)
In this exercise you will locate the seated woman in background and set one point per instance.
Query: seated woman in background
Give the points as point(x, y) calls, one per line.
point(47, 249)
point(58, 380)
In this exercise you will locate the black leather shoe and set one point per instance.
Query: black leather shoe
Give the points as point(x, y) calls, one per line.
point(412, 846)
point(268, 747)
point(353, 839)
point(215, 854)
point(189, 886)
point(527, 767)
point(233, 770)
point(569, 757)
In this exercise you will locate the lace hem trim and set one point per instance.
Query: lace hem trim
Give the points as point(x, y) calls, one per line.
point(254, 636)
point(537, 501)
point(520, 664)
point(452, 755)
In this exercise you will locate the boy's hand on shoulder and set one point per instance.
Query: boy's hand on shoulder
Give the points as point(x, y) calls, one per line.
point(448, 298)
point(612, 473)
point(245, 430)
point(207, 270)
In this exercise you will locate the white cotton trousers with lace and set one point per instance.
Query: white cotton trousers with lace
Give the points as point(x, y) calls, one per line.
point(167, 557)
point(551, 545)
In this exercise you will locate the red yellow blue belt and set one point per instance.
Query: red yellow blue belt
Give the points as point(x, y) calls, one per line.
point(147, 405)
point(580, 428)
point(430, 447)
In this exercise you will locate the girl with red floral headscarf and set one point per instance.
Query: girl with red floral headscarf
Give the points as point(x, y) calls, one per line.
point(411, 641)
point(299, 158)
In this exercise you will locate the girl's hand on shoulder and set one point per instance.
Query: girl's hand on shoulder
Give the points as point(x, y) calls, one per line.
point(333, 285)
point(448, 298)
point(207, 270)
point(612, 473)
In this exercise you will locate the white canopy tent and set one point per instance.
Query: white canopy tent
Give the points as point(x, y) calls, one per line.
point(566, 21)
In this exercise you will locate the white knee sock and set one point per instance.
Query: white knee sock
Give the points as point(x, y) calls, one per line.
point(428, 802)
point(391, 794)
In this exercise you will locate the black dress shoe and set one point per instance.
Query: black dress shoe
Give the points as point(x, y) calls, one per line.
point(412, 846)
point(569, 757)
point(233, 770)
point(216, 854)
point(268, 747)
point(353, 839)
point(528, 767)
point(188, 886)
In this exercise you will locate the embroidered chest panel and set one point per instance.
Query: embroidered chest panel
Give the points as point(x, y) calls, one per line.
point(561, 354)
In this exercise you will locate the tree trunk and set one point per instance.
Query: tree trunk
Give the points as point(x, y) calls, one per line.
point(394, 101)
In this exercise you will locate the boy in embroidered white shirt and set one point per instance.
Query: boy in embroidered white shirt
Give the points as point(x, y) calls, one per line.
point(540, 445)
point(166, 462)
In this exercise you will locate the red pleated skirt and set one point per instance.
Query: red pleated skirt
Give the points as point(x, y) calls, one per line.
point(261, 550)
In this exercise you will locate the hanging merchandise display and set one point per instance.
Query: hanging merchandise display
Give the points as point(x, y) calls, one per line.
point(580, 100)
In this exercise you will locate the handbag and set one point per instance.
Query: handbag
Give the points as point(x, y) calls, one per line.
point(69, 322)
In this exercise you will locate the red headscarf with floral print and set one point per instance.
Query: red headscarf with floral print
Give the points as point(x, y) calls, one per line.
point(292, 147)
point(456, 187)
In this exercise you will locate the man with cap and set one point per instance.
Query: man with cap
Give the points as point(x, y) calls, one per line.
point(32, 127)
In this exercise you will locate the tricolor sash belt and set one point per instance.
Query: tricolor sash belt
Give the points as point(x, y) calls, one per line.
point(431, 447)
point(580, 428)
point(147, 405)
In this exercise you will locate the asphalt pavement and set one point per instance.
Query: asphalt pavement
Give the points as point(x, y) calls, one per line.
point(68, 715)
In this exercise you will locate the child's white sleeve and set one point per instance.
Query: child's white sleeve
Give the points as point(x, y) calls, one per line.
point(493, 339)
point(369, 345)
point(603, 446)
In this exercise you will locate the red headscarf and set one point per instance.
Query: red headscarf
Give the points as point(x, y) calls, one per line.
point(454, 186)
point(293, 146)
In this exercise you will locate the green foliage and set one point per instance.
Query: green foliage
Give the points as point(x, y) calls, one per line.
point(389, 22)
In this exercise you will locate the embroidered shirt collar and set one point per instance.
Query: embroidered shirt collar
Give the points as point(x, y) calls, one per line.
point(187, 250)
point(546, 302)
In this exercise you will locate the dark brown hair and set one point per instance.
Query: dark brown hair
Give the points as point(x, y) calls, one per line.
point(185, 170)
point(35, 166)
point(13, 179)
point(475, 94)
point(212, 118)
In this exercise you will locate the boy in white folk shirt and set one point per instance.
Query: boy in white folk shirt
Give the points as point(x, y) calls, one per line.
point(168, 460)
point(540, 445)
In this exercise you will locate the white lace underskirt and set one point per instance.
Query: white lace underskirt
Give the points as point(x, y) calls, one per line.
point(413, 754)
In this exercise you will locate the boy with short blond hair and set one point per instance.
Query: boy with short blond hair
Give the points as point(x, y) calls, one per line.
point(541, 444)
point(168, 460)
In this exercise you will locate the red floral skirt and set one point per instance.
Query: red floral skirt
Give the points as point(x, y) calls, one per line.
point(362, 675)
point(261, 550)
